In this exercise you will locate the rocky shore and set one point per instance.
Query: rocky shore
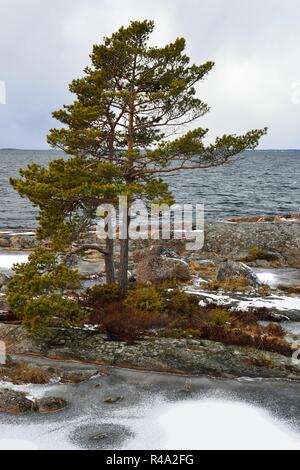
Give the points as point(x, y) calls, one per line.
point(275, 242)
point(180, 356)
point(276, 238)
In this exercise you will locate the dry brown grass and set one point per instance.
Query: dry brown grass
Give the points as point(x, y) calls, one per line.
point(290, 289)
point(264, 290)
point(206, 271)
point(23, 373)
point(255, 336)
point(230, 285)
point(237, 285)
point(235, 332)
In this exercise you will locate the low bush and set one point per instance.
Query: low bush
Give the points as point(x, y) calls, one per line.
point(100, 296)
point(205, 271)
point(42, 292)
point(146, 299)
point(220, 317)
point(174, 313)
point(125, 324)
point(257, 252)
point(275, 329)
point(179, 302)
point(255, 336)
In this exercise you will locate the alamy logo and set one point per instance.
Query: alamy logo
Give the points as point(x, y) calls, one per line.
point(154, 222)
point(2, 92)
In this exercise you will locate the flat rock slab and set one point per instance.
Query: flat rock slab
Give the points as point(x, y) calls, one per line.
point(50, 405)
point(14, 402)
point(78, 376)
point(188, 356)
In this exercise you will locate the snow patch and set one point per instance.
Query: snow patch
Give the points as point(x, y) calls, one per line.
point(8, 260)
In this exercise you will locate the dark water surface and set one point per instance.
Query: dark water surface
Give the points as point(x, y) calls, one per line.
point(258, 182)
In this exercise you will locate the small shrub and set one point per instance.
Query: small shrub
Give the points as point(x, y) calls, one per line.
point(264, 289)
point(220, 316)
point(254, 336)
point(146, 299)
point(52, 310)
point(245, 317)
point(180, 322)
point(128, 325)
point(274, 329)
point(179, 302)
point(205, 271)
point(42, 292)
point(100, 296)
point(256, 253)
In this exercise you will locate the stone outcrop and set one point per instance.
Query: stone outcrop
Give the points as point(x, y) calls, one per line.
point(15, 402)
point(4, 242)
point(158, 264)
point(230, 270)
point(4, 279)
point(187, 356)
point(18, 240)
point(278, 236)
point(78, 376)
point(50, 405)
point(236, 239)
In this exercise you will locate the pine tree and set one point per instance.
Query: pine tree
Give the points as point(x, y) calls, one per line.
point(130, 102)
point(120, 133)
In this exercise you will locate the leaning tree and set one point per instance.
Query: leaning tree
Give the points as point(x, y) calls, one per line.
point(132, 117)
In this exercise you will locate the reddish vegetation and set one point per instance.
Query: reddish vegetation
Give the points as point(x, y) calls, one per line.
point(158, 311)
point(122, 323)
point(230, 285)
point(236, 285)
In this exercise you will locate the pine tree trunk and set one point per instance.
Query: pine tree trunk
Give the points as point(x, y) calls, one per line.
point(124, 256)
point(123, 271)
point(109, 262)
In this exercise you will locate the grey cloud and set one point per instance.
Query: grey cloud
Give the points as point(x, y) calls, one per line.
point(255, 44)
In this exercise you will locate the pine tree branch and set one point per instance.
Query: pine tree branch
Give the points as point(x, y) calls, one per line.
point(87, 247)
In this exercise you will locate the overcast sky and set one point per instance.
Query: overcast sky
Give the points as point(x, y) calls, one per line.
point(44, 44)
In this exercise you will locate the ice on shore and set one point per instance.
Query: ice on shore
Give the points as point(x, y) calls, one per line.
point(211, 424)
point(281, 303)
point(7, 260)
point(201, 424)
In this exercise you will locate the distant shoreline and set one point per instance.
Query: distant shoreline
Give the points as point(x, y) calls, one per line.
point(11, 149)
point(30, 150)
